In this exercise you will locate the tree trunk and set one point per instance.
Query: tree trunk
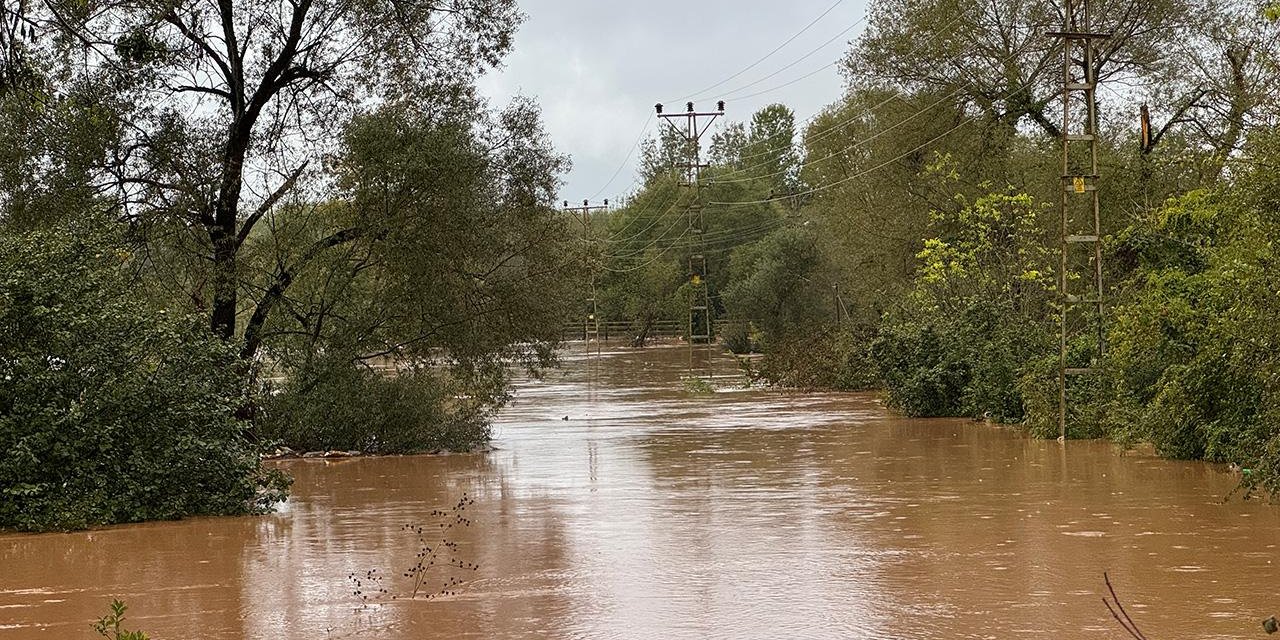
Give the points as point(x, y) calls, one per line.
point(222, 233)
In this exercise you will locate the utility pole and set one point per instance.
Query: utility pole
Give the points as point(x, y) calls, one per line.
point(591, 321)
point(700, 321)
point(1081, 233)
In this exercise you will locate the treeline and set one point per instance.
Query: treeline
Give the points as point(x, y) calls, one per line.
point(907, 237)
point(227, 227)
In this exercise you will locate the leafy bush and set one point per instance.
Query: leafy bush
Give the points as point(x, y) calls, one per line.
point(961, 342)
point(1089, 414)
point(1192, 348)
point(737, 336)
point(111, 625)
point(335, 404)
point(830, 358)
point(111, 411)
point(967, 364)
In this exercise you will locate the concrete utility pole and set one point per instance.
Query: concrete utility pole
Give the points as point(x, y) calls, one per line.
point(700, 320)
point(1081, 235)
point(591, 321)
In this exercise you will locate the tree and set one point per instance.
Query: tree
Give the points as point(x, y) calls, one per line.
point(765, 151)
point(110, 410)
point(441, 239)
point(980, 303)
point(1215, 83)
point(994, 56)
point(230, 106)
point(773, 283)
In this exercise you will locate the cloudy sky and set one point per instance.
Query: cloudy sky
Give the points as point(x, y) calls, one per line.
point(597, 67)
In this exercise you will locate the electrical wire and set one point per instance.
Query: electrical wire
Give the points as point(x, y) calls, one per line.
point(867, 171)
point(767, 55)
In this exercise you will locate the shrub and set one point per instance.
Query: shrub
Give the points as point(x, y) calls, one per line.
point(110, 411)
point(1089, 413)
point(968, 364)
point(1190, 349)
point(829, 358)
point(336, 404)
point(962, 340)
point(739, 337)
point(111, 626)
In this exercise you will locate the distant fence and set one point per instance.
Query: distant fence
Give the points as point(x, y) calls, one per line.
point(626, 331)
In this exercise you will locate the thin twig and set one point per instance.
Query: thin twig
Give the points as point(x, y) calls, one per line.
point(1127, 622)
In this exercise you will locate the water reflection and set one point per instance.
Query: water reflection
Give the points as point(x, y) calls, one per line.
point(654, 513)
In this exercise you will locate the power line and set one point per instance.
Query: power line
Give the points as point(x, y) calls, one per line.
point(860, 174)
point(766, 56)
point(868, 110)
point(800, 59)
point(855, 145)
point(643, 130)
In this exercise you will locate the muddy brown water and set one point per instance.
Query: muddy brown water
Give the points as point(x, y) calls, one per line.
point(654, 513)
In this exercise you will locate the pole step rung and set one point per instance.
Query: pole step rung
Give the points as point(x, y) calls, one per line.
point(1082, 238)
point(699, 308)
point(1078, 371)
point(1080, 137)
point(1086, 176)
point(1086, 189)
point(1080, 86)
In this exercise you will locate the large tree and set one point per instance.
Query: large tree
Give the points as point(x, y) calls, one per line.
point(229, 109)
point(995, 56)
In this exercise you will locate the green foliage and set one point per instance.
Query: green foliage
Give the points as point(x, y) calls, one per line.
point(741, 337)
point(774, 283)
point(335, 404)
point(980, 304)
point(650, 241)
point(697, 386)
point(1192, 346)
point(828, 357)
point(111, 411)
point(442, 277)
point(109, 626)
point(1088, 414)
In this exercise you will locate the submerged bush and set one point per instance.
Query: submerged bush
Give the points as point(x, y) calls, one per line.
point(111, 411)
point(829, 358)
point(961, 342)
point(1192, 350)
point(337, 404)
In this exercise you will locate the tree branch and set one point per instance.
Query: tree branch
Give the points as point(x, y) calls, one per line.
point(284, 278)
point(284, 188)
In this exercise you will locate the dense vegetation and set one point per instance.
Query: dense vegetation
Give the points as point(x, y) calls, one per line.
point(232, 226)
point(907, 237)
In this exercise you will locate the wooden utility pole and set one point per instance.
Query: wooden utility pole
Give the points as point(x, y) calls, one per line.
point(1081, 233)
point(700, 317)
point(591, 319)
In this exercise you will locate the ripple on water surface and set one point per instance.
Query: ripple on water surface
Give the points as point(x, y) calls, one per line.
point(651, 512)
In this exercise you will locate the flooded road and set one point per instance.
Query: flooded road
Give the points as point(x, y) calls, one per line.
point(656, 513)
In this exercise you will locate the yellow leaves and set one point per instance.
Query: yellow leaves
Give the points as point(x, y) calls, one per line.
point(940, 261)
point(943, 166)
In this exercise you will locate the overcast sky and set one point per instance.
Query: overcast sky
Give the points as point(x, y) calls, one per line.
point(597, 67)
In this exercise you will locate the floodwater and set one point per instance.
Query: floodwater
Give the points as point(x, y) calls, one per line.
point(653, 512)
